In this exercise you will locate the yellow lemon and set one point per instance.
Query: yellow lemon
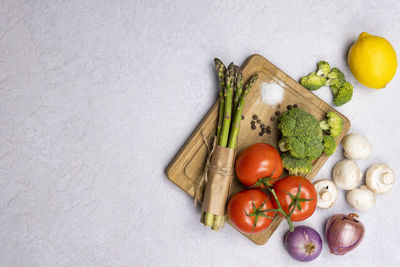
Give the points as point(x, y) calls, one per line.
point(372, 60)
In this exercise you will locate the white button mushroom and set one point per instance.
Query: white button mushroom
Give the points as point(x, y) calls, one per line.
point(347, 174)
point(356, 146)
point(326, 192)
point(380, 178)
point(361, 198)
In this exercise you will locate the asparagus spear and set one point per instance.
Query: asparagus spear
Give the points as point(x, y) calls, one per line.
point(217, 222)
point(209, 219)
point(238, 113)
point(203, 215)
point(236, 70)
point(220, 220)
point(239, 87)
point(226, 124)
point(221, 76)
point(232, 99)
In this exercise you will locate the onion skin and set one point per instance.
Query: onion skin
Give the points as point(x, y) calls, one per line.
point(303, 244)
point(343, 233)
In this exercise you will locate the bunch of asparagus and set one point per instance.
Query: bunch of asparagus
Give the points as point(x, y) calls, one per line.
point(232, 95)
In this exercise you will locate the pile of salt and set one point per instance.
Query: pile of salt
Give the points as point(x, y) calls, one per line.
point(272, 93)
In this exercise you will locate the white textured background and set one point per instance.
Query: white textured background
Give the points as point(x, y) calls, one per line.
point(96, 98)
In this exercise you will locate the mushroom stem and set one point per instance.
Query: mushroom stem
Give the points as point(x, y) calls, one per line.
point(380, 178)
point(325, 195)
point(386, 178)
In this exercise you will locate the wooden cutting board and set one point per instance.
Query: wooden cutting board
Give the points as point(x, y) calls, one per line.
point(186, 169)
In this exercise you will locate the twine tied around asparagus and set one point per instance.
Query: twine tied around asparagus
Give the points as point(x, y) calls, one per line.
point(221, 171)
point(211, 168)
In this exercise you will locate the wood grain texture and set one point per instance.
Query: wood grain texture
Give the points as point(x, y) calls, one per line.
point(186, 169)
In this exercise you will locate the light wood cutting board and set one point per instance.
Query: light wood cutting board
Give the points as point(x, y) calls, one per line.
point(186, 168)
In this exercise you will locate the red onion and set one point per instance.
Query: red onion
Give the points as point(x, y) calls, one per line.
point(343, 233)
point(303, 244)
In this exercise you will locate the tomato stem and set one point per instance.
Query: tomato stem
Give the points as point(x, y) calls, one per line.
point(296, 200)
point(295, 203)
point(279, 209)
point(257, 212)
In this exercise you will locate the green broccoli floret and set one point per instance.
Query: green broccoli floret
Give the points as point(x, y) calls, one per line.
point(294, 145)
point(295, 121)
point(333, 124)
point(342, 94)
point(301, 134)
point(313, 81)
point(314, 147)
point(335, 77)
point(323, 68)
point(294, 165)
point(329, 145)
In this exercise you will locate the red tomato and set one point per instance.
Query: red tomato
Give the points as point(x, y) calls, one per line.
point(291, 184)
point(242, 203)
point(258, 161)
